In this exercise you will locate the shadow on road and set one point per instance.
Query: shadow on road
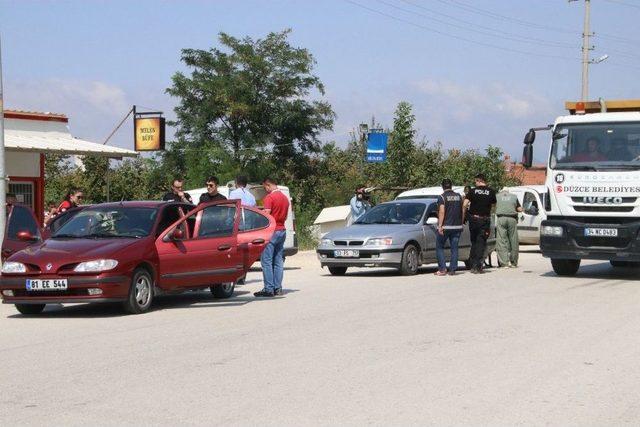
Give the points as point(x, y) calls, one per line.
point(604, 271)
point(390, 272)
point(193, 299)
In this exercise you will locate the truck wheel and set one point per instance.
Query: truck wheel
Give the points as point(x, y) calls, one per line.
point(223, 290)
point(140, 292)
point(630, 264)
point(30, 308)
point(409, 265)
point(337, 271)
point(565, 267)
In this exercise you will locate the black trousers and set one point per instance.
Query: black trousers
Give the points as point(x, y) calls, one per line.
point(479, 229)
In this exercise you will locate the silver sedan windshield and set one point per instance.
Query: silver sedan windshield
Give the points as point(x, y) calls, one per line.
point(394, 213)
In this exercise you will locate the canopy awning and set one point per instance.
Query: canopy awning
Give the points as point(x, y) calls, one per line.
point(36, 136)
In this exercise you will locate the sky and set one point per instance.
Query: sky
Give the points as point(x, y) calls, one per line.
point(477, 72)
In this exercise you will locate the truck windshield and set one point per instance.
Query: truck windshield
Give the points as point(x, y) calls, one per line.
point(596, 146)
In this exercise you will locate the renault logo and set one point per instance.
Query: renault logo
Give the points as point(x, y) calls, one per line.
point(49, 266)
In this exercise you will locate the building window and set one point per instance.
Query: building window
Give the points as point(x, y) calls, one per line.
point(24, 192)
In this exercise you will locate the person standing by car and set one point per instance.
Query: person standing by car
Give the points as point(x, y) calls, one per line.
point(480, 201)
point(359, 203)
point(450, 220)
point(176, 194)
point(72, 199)
point(507, 245)
point(275, 204)
point(212, 194)
point(242, 193)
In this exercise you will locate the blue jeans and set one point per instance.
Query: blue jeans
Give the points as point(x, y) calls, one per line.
point(272, 260)
point(454, 237)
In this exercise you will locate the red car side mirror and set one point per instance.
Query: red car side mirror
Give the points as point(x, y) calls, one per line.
point(177, 234)
point(26, 236)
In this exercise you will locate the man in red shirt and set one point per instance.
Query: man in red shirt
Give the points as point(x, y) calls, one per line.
point(275, 204)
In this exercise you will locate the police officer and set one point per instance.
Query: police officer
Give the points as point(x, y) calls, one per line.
point(450, 220)
point(480, 201)
point(507, 208)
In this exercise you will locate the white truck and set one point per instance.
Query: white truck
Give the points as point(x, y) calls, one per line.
point(592, 202)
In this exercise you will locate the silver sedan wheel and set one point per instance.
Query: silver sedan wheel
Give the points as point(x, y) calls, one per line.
point(412, 259)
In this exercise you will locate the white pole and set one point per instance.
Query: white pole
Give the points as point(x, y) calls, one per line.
point(585, 50)
point(3, 180)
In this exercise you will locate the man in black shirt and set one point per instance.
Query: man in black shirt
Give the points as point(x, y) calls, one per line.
point(176, 194)
point(450, 220)
point(480, 201)
point(212, 194)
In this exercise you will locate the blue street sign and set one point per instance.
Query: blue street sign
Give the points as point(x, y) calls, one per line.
point(377, 146)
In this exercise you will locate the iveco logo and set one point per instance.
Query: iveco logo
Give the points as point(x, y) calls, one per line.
point(49, 266)
point(601, 199)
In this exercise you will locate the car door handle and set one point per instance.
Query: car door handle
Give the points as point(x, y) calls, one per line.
point(257, 242)
point(224, 247)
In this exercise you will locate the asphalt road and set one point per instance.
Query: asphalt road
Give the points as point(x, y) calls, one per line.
point(508, 347)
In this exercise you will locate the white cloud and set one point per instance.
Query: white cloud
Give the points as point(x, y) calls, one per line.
point(94, 107)
point(468, 101)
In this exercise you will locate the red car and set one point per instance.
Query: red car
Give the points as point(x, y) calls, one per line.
point(133, 251)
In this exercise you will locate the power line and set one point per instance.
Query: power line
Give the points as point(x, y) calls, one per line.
point(624, 3)
point(505, 18)
point(457, 37)
point(503, 35)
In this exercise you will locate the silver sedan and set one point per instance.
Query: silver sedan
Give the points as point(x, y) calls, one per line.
point(400, 234)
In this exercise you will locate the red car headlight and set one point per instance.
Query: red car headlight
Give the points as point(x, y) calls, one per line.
point(96, 265)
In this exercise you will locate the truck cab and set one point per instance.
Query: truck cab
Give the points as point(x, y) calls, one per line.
point(592, 202)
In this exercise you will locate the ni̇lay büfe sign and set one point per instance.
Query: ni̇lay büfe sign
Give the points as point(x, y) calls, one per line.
point(149, 133)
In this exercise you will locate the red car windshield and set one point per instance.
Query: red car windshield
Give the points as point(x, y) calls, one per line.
point(109, 222)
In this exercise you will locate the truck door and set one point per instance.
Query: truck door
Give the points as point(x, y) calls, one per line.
point(529, 219)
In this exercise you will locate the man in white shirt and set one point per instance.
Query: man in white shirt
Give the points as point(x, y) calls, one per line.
point(242, 193)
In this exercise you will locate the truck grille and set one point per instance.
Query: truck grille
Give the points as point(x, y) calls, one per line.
point(605, 242)
point(603, 208)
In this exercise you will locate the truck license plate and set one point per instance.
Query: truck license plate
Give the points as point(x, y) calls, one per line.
point(346, 253)
point(601, 232)
point(46, 284)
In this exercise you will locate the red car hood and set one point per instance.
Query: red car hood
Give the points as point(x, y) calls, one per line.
point(59, 252)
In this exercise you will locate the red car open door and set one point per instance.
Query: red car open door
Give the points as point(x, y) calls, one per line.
point(255, 231)
point(20, 219)
point(202, 248)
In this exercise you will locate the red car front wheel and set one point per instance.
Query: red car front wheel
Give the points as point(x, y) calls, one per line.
point(140, 292)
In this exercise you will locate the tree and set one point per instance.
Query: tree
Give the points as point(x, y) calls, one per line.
point(401, 150)
point(245, 98)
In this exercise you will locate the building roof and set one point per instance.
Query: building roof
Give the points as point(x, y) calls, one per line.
point(33, 132)
point(35, 115)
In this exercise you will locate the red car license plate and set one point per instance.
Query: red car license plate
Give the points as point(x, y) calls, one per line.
point(47, 284)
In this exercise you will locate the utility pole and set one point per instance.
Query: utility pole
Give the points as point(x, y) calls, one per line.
point(3, 178)
point(585, 50)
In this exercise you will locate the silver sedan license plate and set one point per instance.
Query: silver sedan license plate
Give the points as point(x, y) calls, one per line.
point(346, 253)
point(601, 232)
point(47, 284)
